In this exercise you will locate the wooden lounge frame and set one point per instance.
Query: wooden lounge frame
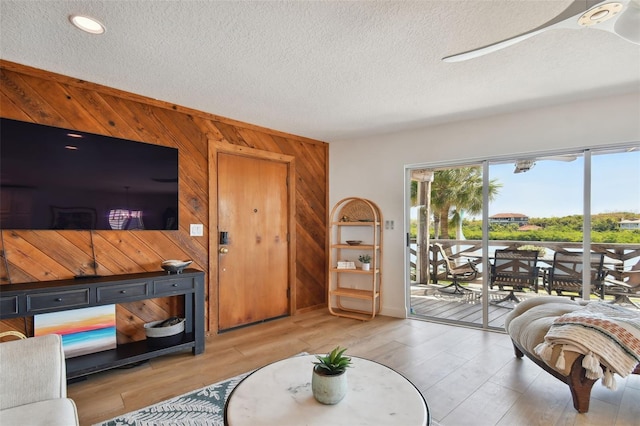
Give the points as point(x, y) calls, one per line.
point(579, 385)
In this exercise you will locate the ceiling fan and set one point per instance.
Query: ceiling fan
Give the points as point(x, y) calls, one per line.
point(526, 165)
point(620, 17)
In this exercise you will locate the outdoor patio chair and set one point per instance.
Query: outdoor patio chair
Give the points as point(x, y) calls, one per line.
point(516, 269)
point(463, 272)
point(565, 275)
point(628, 286)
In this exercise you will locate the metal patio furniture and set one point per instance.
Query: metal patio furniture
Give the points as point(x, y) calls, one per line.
point(514, 268)
point(628, 286)
point(565, 275)
point(463, 272)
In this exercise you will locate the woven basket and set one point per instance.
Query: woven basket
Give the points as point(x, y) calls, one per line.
point(357, 211)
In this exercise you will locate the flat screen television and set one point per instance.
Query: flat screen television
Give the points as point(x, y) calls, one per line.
point(54, 178)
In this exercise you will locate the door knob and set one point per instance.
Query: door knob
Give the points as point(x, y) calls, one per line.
point(224, 250)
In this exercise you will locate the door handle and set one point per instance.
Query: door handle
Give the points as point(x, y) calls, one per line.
point(223, 250)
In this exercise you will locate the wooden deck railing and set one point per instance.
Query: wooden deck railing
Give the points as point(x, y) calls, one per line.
point(618, 257)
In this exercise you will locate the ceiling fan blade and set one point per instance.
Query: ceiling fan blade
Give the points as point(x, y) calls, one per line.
point(522, 166)
point(567, 19)
point(567, 158)
point(627, 25)
point(481, 51)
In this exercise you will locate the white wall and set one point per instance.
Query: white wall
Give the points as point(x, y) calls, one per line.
point(373, 167)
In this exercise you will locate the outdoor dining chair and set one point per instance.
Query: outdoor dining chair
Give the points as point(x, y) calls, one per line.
point(514, 268)
point(626, 288)
point(463, 272)
point(565, 275)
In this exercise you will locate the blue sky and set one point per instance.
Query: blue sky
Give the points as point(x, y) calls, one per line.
point(554, 188)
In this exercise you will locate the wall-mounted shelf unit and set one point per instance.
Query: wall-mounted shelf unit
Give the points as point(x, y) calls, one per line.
point(353, 291)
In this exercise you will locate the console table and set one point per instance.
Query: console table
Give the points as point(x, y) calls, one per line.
point(28, 299)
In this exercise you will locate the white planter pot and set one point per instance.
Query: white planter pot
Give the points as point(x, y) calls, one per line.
point(329, 390)
point(366, 266)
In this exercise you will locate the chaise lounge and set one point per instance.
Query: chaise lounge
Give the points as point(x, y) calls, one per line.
point(560, 336)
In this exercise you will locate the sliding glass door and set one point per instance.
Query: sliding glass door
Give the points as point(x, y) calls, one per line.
point(539, 204)
point(445, 264)
point(615, 221)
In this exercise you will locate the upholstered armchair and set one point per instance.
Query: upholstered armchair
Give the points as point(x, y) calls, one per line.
point(33, 383)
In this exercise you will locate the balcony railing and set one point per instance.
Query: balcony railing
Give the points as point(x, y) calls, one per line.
point(618, 257)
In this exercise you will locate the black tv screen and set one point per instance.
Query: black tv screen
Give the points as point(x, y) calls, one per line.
point(54, 178)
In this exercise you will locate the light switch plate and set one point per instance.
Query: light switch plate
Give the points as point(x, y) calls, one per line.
point(196, 230)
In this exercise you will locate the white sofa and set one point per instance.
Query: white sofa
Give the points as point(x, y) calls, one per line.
point(33, 383)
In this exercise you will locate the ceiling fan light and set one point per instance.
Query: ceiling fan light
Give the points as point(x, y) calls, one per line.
point(599, 14)
point(87, 24)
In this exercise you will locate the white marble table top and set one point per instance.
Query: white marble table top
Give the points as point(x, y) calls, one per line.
point(280, 394)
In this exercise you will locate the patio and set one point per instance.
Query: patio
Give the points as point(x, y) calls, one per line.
point(428, 301)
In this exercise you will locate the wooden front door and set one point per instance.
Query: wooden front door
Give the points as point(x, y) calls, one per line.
point(253, 264)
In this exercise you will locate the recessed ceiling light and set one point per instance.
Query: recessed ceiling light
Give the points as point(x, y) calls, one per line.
point(88, 24)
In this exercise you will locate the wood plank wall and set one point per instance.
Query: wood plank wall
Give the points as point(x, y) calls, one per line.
point(34, 95)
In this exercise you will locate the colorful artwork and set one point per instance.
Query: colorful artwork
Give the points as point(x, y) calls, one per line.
point(83, 331)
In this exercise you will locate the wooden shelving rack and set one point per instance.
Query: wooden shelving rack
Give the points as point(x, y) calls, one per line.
point(355, 293)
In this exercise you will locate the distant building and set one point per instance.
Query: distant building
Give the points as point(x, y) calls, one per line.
point(506, 218)
point(629, 224)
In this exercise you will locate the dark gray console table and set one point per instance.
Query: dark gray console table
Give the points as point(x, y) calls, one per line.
point(28, 299)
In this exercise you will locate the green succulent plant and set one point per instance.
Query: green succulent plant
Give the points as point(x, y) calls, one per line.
point(333, 363)
point(365, 258)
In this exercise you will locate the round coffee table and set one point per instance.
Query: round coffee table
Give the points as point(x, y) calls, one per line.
point(280, 394)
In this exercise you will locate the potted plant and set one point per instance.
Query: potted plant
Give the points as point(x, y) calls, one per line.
point(366, 261)
point(329, 381)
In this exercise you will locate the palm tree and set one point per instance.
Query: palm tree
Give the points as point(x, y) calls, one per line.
point(455, 191)
point(460, 189)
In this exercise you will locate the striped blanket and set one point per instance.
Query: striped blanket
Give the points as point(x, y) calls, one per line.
point(608, 335)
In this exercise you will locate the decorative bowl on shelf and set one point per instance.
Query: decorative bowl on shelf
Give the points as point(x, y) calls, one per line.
point(354, 242)
point(175, 266)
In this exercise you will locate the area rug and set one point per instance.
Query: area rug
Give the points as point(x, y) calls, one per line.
point(201, 407)
point(204, 406)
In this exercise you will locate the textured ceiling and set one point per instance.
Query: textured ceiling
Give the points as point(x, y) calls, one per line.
point(328, 70)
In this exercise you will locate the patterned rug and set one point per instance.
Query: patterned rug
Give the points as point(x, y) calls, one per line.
point(204, 406)
point(201, 407)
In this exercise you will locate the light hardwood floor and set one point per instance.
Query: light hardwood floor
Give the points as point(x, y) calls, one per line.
point(468, 376)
